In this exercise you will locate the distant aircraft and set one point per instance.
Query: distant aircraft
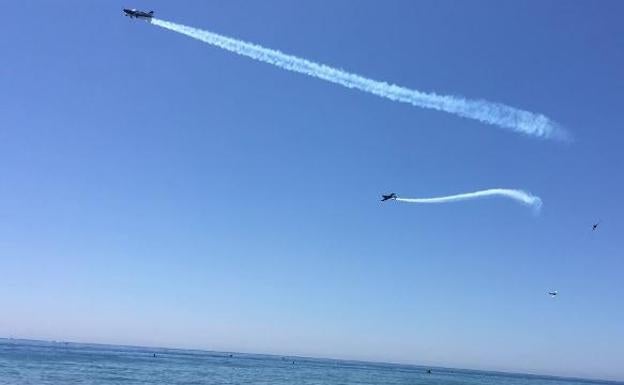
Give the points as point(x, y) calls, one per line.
point(138, 14)
point(595, 226)
point(553, 293)
point(392, 196)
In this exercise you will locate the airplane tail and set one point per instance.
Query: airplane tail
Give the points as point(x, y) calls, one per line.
point(151, 12)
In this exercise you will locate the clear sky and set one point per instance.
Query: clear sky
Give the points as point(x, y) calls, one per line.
point(155, 190)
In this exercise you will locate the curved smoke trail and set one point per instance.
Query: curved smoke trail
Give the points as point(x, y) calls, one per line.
point(517, 195)
point(492, 113)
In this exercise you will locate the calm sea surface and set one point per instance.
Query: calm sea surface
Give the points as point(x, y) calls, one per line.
point(38, 362)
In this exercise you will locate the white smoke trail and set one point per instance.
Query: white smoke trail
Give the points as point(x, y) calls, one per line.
point(493, 113)
point(517, 195)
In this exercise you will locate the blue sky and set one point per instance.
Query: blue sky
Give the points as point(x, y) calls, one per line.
point(155, 190)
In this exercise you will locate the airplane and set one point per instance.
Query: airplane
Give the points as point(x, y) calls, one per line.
point(138, 14)
point(392, 196)
point(553, 293)
point(595, 226)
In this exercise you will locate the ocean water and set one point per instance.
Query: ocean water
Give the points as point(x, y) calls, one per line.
point(39, 363)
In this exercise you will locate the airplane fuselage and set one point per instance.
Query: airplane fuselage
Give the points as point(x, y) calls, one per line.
point(388, 197)
point(135, 13)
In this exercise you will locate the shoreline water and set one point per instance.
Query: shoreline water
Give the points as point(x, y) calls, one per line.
point(342, 363)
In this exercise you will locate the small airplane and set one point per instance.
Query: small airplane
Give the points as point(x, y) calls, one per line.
point(553, 293)
point(392, 196)
point(595, 226)
point(138, 14)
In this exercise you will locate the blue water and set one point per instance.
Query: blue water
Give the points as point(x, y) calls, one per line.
point(39, 362)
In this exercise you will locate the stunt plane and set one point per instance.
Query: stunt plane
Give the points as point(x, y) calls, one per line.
point(553, 293)
point(138, 14)
point(392, 196)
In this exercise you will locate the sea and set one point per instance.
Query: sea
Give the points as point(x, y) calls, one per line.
point(62, 363)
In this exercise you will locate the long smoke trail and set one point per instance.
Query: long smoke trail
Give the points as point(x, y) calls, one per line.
point(493, 113)
point(517, 195)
